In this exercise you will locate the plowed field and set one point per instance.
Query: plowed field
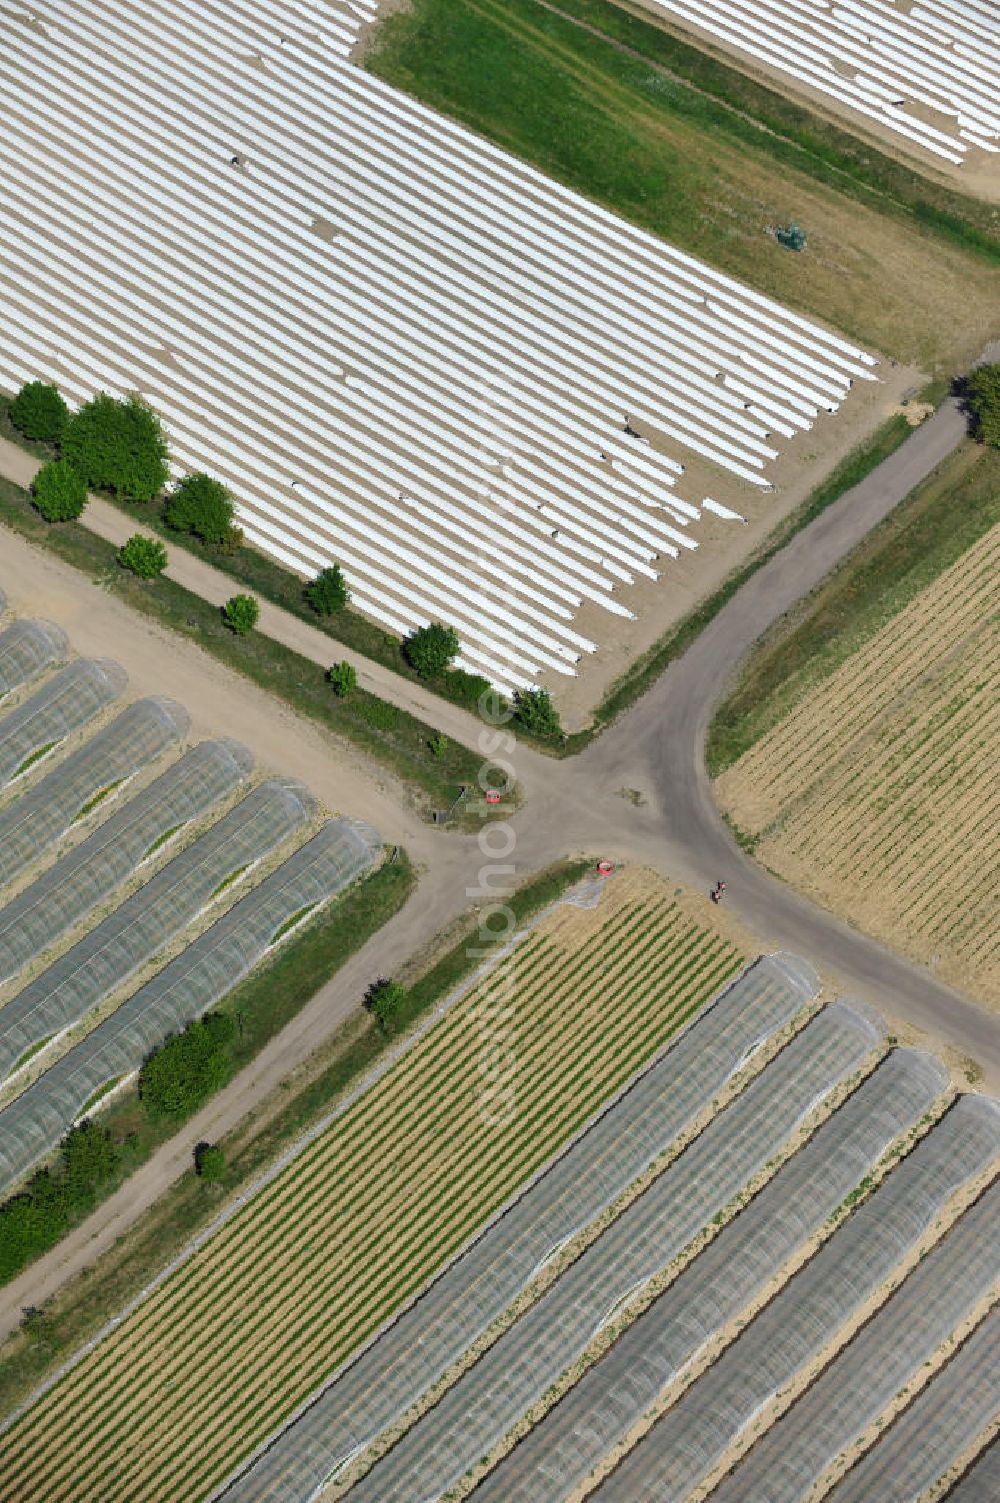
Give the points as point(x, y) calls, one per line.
point(878, 792)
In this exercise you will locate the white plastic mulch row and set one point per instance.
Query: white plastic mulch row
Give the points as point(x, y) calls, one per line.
point(403, 349)
point(892, 62)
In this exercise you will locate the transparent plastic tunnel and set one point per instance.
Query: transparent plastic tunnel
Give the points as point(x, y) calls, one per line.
point(32, 1125)
point(142, 831)
point(83, 782)
point(67, 702)
point(142, 927)
point(27, 650)
point(618, 1146)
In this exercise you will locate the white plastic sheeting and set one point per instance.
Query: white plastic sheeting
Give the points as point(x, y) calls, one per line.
point(981, 1484)
point(889, 60)
point(404, 349)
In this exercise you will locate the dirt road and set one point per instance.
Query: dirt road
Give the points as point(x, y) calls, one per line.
point(656, 750)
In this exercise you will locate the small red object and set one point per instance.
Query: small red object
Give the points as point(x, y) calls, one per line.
point(492, 797)
point(605, 868)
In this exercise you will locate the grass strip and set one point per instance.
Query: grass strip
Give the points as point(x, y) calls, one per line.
point(924, 535)
point(404, 747)
point(82, 1308)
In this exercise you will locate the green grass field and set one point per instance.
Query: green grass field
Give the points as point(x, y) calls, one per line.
point(890, 261)
point(167, 1404)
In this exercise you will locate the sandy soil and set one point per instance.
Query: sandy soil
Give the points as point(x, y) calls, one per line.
point(979, 175)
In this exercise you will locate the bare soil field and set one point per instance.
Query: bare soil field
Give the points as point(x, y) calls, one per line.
point(877, 793)
point(310, 1267)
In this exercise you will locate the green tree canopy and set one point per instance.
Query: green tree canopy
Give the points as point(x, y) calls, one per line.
point(146, 557)
point(176, 1078)
point(241, 614)
point(202, 506)
point(39, 412)
point(209, 1161)
point(328, 592)
point(384, 999)
point(982, 394)
point(343, 679)
point(59, 492)
point(534, 710)
point(430, 649)
point(118, 446)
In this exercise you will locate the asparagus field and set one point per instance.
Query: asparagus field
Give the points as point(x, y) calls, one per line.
point(878, 794)
point(174, 1397)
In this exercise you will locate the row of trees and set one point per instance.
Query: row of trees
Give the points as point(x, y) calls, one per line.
point(53, 1199)
point(119, 446)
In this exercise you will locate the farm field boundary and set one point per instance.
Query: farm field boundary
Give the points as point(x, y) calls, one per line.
point(571, 1007)
point(875, 793)
point(80, 1313)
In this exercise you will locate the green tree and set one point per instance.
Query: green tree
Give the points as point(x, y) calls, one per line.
point(982, 395)
point(343, 679)
point(209, 1161)
point(146, 557)
point(430, 649)
point(39, 412)
point(203, 506)
point(438, 745)
point(176, 1078)
point(241, 614)
point(118, 446)
point(535, 712)
point(59, 492)
point(328, 592)
point(88, 1158)
point(384, 999)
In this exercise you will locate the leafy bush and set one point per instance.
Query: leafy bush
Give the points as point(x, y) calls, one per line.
point(438, 745)
point(430, 649)
point(176, 1078)
point(34, 1219)
point(146, 557)
point(982, 395)
point(343, 679)
point(39, 412)
point(203, 506)
point(118, 446)
point(209, 1162)
point(59, 493)
point(466, 689)
point(328, 592)
point(383, 999)
point(241, 614)
point(535, 712)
